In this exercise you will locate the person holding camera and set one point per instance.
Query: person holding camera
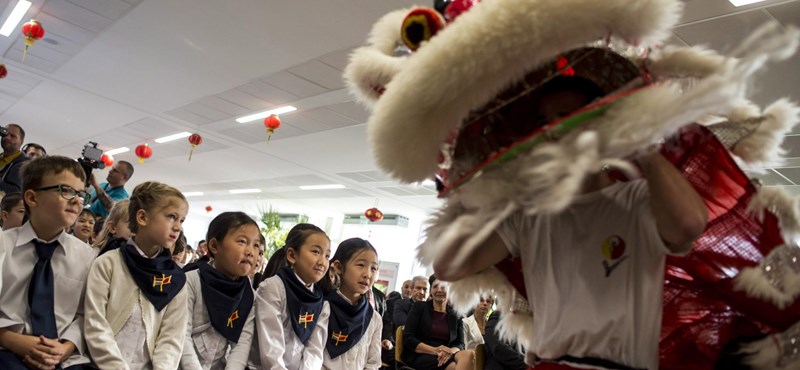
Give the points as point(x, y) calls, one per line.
point(106, 194)
point(12, 158)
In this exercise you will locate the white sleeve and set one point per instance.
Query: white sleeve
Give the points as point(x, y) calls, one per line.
point(269, 327)
point(315, 347)
point(171, 334)
point(96, 329)
point(374, 349)
point(189, 359)
point(237, 358)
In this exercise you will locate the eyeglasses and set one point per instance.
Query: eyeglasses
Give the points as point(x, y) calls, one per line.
point(68, 193)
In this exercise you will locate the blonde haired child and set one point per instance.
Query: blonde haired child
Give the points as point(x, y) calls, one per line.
point(136, 307)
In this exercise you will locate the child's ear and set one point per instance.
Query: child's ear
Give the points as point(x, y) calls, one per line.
point(336, 266)
point(141, 218)
point(29, 197)
point(4, 216)
point(212, 246)
point(291, 256)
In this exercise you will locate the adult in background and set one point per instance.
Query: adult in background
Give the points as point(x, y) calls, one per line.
point(501, 354)
point(33, 150)
point(407, 290)
point(12, 159)
point(113, 190)
point(419, 286)
point(433, 338)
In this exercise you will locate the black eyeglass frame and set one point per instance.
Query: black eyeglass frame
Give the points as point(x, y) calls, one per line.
point(83, 195)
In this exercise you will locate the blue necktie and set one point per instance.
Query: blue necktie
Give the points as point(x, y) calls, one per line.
point(41, 294)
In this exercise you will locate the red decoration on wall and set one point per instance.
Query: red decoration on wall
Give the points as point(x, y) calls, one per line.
point(271, 123)
point(32, 30)
point(3, 71)
point(209, 209)
point(195, 140)
point(107, 160)
point(373, 214)
point(143, 152)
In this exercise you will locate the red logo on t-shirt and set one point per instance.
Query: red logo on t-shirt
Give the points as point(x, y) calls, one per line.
point(613, 250)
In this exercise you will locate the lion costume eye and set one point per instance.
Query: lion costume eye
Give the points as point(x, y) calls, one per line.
point(420, 25)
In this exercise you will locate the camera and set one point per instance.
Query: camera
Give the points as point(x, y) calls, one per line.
point(90, 159)
point(3, 131)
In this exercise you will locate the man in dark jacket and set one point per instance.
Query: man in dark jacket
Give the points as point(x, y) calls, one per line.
point(500, 355)
point(12, 159)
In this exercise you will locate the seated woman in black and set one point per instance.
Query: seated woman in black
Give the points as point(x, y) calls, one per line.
point(434, 335)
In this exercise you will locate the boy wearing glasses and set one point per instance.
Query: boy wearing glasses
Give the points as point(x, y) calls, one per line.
point(44, 272)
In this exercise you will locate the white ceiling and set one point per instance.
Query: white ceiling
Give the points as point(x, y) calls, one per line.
point(122, 72)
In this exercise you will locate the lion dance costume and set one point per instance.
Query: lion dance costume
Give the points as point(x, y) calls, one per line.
point(448, 87)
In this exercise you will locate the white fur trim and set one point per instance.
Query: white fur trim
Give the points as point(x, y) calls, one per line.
point(776, 279)
point(681, 61)
point(762, 354)
point(487, 48)
point(763, 147)
point(374, 65)
point(753, 282)
point(785, 207)
point(464, 295)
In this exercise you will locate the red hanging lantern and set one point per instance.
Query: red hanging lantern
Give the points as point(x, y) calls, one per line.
point(32, 30)
point(107, 160)
point(271, 123)
point(3, 71)
point(209, 209)
point(373, 214)
point(195, 140)
point(143, 152)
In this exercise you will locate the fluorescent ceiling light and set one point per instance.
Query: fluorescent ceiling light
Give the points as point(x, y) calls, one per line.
point(117, 151)
point(15, 17)
point(192, 193)
point(744, 2)
point(266, 114)
point(322, 187)
point(244, 191)
point(169, 138)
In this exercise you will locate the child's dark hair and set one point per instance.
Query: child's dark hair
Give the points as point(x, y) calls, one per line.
point(275, 263)
point(87, 212)
point(431, 279)
point(226, 222)
point(33, 171)
point(344, 253)
point(299, 233)
point(147, 196)
point(10, 201)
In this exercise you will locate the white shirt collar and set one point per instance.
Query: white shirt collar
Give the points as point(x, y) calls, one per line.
point(141, 252)
point(310, 287)
point(27, 233)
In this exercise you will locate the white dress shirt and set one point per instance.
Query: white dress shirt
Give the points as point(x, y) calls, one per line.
point(204, 347)
point(70, 264)
point(279, 346)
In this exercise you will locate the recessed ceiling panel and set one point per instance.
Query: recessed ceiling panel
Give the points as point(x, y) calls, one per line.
point(77, 15)
point(725, 33)
point(293, 84)
point(320, 74)
point(792, 174)
point(267, 92)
